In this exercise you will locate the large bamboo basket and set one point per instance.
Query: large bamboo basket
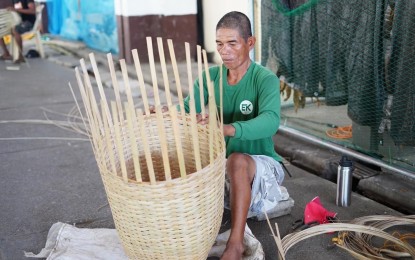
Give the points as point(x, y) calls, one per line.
point(163, 173)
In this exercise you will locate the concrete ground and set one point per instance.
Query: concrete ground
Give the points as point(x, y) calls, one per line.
point(49, 174)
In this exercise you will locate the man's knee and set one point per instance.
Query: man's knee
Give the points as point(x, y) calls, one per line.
point(238, 163)
point(237, 160)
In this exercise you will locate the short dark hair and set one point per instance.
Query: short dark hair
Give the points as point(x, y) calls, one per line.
point(237, 21)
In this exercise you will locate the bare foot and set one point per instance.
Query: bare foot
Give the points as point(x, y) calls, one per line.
point(233, 252)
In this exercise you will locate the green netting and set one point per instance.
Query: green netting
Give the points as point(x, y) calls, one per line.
point(357, 57)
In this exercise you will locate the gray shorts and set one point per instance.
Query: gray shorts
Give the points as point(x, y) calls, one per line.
point(23, 27)
point(266, 191)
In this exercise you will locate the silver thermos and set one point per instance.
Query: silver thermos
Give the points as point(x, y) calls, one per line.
point(344, 182)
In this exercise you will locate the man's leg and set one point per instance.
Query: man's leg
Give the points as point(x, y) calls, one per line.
point(19, 42)
point(241, 171)
point(6, 55)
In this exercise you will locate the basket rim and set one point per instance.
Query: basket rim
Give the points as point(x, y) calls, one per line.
point(175, 181)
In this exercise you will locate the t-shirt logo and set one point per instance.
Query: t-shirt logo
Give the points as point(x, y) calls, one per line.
point(246, 107)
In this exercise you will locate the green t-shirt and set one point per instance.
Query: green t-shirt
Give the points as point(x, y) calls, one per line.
point(252, 106)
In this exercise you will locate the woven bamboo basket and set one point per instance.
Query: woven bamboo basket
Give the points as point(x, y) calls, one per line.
point(163, 173)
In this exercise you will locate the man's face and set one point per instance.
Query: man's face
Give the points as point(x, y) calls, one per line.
point(233, 49)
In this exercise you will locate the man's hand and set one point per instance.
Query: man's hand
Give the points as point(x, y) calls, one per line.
point(228, 130)
point(152, 109)
point(202, 120)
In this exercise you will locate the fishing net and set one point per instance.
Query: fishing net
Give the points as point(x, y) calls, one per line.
point(346, 64)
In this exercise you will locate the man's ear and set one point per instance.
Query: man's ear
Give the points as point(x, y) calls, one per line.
point(251, 42)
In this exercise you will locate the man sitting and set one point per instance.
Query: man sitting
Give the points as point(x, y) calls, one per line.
point(27, 11)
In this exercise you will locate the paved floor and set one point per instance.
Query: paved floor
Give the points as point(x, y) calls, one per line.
point(48, 174)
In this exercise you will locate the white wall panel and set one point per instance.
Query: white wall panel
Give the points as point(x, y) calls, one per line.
point(155, 7)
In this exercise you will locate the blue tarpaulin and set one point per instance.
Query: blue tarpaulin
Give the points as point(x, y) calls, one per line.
point(90, 21)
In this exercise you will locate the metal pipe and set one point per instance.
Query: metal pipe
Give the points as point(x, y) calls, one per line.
point(344, 150)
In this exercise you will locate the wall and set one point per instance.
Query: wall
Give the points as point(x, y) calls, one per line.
point(213, 10)
point(169, 19)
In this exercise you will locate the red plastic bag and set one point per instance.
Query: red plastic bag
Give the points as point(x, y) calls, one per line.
point(315, 212)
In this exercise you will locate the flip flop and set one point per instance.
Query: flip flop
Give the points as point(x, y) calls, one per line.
point(2, 57)
point(18, 61)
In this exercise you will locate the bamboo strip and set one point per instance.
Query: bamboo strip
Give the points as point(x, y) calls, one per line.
point(118, 141)
point(133, 141)
point(80, 112)
point(115, 85)
point(85, 100)
point(164, 71)
point(221, 95)
point(110, 147)
point(212, 122)
point(91, 97)
point(176, 74)
point(88, 108)
point(146, 147)
point(279, 244)
point(200, 74)
point(163, 143)
point(127, 85)
point(277, 239)
point(153, 71)
point(177, 134)
point(206, 67)
point(193, 123)
point(91, 140)
point(178, 84)
point(141, 81)
point(208, 79)
point(100, 87)
point(212, 104)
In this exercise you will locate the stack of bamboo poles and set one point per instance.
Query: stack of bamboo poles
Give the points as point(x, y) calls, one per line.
point(163, 172)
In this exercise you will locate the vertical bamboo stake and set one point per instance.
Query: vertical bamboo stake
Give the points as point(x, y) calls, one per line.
point(94, 146)
point(200, 73)
point(164, 71)
point(80, 112)
point(127, 86)
point(90, 94)
point(141, 81)
point(281, 249)
point(153, 71)
point(109, 142)
point(221, 95)
point(178, 84)
point(86, 101)
point(147, 151)
point(90, 104)
point(133, 141)
point(176, 73)
point(115, 85)
point(193, 123)
point(118, 141)
point(213, 124)
point(179, 147)
point(163, 143)
point(100, 87)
